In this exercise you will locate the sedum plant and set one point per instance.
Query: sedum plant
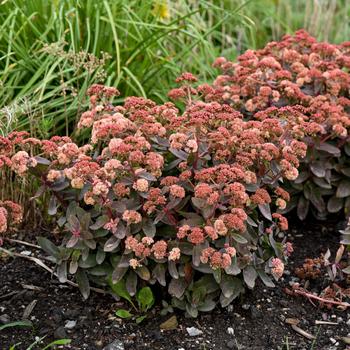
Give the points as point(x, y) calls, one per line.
point(181, 197)
point(305, 85)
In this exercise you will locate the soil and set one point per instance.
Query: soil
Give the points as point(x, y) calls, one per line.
point(257, 321)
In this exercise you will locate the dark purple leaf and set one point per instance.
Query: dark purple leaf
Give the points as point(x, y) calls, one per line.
point(318, 169)
point(52, 210)
point(250, 275)
point(265, 211)
point(173, 270)
point(83, 283)
point(159, 274)
point(131, 283)
point(179, 153)
point(343, 189)
point(266, 279)
point(100, 222)
point(303, 176)
point(303, 208)
point(42, 161)
point(62, 272)
point(148, 227)
point(111, 244)
point(177, 287)
point(327, 147)
point(335, 204)
point(143, 273)
point(72, 241)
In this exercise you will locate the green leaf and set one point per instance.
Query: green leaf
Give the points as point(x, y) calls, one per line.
point(24, 323)
point(119, 289)
point(347, 270)
point(140, 319)
point(198, 295)
point(145, 298)
point(207, 305)
point(191, 310)
point(58, 342)
point(123, 313)
point(48, 247)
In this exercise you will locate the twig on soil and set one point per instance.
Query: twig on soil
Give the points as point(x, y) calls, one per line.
point(29, 309)
point(326, 322)
point(22, 242)
point(5, 296)
point(302, 332)
point(31, 287)
point(44, 266)
point(308, 295)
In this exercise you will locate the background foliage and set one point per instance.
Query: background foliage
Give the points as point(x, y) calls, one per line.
point(51, 51)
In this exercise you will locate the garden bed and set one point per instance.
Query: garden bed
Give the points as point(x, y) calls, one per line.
point(257, 321)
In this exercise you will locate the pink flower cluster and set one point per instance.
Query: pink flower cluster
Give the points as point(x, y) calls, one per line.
point(304, 86)
point(11, 214)
point(218, 259)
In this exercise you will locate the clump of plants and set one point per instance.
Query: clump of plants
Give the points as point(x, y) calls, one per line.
point(305, 85)
point(189, 195)
point(180, 197)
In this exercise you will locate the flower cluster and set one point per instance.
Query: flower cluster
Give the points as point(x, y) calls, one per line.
point(11, 214)
point(304, 84)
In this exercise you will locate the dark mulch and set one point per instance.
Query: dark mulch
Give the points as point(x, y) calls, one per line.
point(256, 320)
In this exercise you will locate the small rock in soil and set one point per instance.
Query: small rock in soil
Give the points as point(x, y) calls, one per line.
point(60, 333)
point(231, 344)
point(70, 313)
point(254, 312)
point(4, 319)
point(116, 345)
point(245, 306)
point(230, 331)
point(70, 324)
point(193, 331)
